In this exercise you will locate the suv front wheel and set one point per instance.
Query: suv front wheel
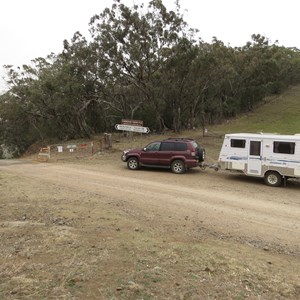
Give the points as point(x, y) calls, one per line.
point(178, 166)
point(133, 163)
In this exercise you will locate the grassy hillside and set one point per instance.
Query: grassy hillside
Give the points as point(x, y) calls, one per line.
point(280, 114)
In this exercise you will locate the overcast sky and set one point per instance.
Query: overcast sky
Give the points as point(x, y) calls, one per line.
point(35, 28)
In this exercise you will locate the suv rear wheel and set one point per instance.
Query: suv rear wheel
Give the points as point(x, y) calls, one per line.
point(133, 163)
point(178, 166)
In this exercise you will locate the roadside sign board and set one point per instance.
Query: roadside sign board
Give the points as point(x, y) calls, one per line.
point(132, 122)
point(71, 146)
point(132, 128)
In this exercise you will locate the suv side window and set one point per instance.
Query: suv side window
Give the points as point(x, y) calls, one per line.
point(180, 147)
point(167, 146)
point(153, 146)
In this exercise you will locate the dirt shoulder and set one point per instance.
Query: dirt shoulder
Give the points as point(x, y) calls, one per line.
point(93, 229)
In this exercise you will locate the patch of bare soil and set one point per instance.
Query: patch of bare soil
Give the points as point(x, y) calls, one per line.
point(92, 229)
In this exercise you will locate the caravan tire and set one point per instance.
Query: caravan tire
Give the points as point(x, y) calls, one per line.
point(273, 178)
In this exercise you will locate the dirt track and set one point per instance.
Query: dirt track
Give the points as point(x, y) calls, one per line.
point(232, 205)
point(96, 230)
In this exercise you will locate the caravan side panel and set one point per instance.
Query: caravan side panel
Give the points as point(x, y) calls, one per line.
point(280, 153)
point(233, 155)
point(285, 161)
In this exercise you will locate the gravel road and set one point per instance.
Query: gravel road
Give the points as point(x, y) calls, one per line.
point(230, 206)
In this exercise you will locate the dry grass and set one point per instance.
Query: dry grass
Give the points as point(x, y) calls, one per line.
point(78, 247)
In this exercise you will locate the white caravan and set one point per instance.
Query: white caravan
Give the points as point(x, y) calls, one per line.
point(274, 157)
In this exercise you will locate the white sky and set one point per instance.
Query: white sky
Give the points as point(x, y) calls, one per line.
point(35, 28)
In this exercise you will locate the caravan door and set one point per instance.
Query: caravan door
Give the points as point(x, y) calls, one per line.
point(254, 158)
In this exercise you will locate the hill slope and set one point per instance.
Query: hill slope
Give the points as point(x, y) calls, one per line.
point(280, 114)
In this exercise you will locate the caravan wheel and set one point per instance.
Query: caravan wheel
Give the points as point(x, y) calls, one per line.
point(273, 178)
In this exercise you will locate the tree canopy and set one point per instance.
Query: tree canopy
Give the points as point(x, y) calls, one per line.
point(140, 63)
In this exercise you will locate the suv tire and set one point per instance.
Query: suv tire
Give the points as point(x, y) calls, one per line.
point(178, 166)
point(133, 163)
point(201, 154)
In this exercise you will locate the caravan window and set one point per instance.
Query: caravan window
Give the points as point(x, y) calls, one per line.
point(284, 147)
point(237, 143)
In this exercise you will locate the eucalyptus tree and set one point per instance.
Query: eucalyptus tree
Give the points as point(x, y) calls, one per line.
point(211, 87)
point(21, 112)
point(177, 83)
point(16, 132)
point(135, 43)
point(58, 94)
point(75, 89)
point(260, 70)
point(288, 60)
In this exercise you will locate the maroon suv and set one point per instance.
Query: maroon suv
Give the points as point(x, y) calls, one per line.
point(179, 154)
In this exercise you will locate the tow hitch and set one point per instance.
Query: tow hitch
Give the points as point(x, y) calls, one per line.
point(204, 165)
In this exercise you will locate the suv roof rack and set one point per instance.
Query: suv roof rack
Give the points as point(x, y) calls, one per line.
point(180, 139)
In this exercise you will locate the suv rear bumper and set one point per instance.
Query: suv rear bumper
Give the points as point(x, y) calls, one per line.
point(192, 163)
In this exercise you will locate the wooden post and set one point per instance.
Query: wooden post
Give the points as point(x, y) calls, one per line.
point(44, 154)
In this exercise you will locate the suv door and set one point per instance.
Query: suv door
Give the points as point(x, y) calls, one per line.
point(149, 155)
point(166, 153)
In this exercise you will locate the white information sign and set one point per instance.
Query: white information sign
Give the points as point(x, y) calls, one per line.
point(132, 128)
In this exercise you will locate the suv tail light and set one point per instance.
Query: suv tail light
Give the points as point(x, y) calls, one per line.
point(193, 153)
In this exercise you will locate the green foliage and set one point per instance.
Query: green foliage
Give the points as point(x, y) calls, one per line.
point(16, 134)
point(278, 114)
point(135, 48)
point(140, 64)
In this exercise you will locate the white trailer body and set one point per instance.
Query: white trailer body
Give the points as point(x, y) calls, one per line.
point(271, 156)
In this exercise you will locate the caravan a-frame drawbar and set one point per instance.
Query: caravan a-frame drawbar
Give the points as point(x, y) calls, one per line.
point(274, 157)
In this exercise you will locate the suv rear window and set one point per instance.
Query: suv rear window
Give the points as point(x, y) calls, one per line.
point(180, 146)
point(171, 146)
point(167, 146)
